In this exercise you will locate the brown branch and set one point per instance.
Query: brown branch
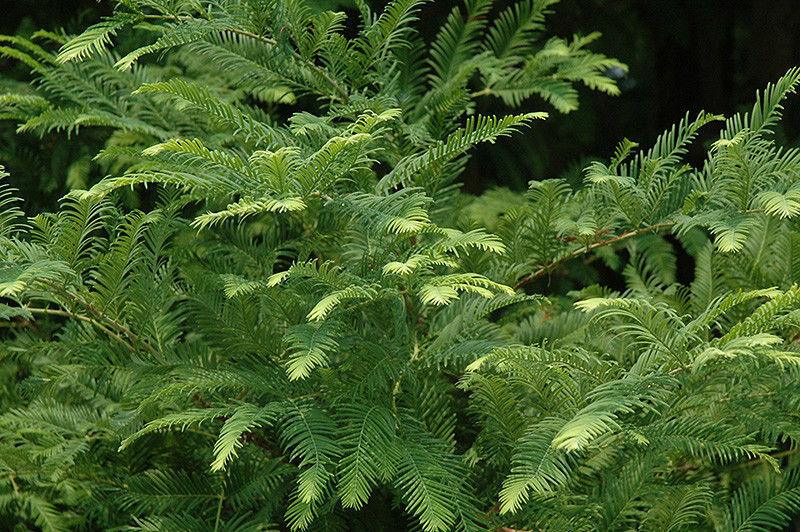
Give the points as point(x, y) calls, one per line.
point(496, 508)
point(99, 317)
point(80, 317)
point(586, 249)
point(483, 92)
point(132, 337)
point(756, 461)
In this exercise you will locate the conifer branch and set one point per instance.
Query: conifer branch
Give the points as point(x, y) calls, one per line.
point(80, 317)
point(340, 92)
point(543, 270)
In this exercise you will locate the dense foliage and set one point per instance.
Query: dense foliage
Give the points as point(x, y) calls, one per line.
point(279, 311)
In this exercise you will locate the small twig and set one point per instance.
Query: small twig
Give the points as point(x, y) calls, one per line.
point(756, 461)
point(483, 92)
point(218, 519)
point(586, 249)
point(398, 384)
point(101, 318)
point(13, 478)
point(80, 317)
point(134, 338)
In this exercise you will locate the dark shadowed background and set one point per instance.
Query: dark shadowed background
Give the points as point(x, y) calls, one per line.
point(684, 55)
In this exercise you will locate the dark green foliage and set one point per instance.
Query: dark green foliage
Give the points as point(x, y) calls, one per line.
point(311, 327)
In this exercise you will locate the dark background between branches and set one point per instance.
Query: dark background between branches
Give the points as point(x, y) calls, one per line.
point(684, 55)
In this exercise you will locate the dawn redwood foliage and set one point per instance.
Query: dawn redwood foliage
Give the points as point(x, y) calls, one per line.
point(305, 324)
